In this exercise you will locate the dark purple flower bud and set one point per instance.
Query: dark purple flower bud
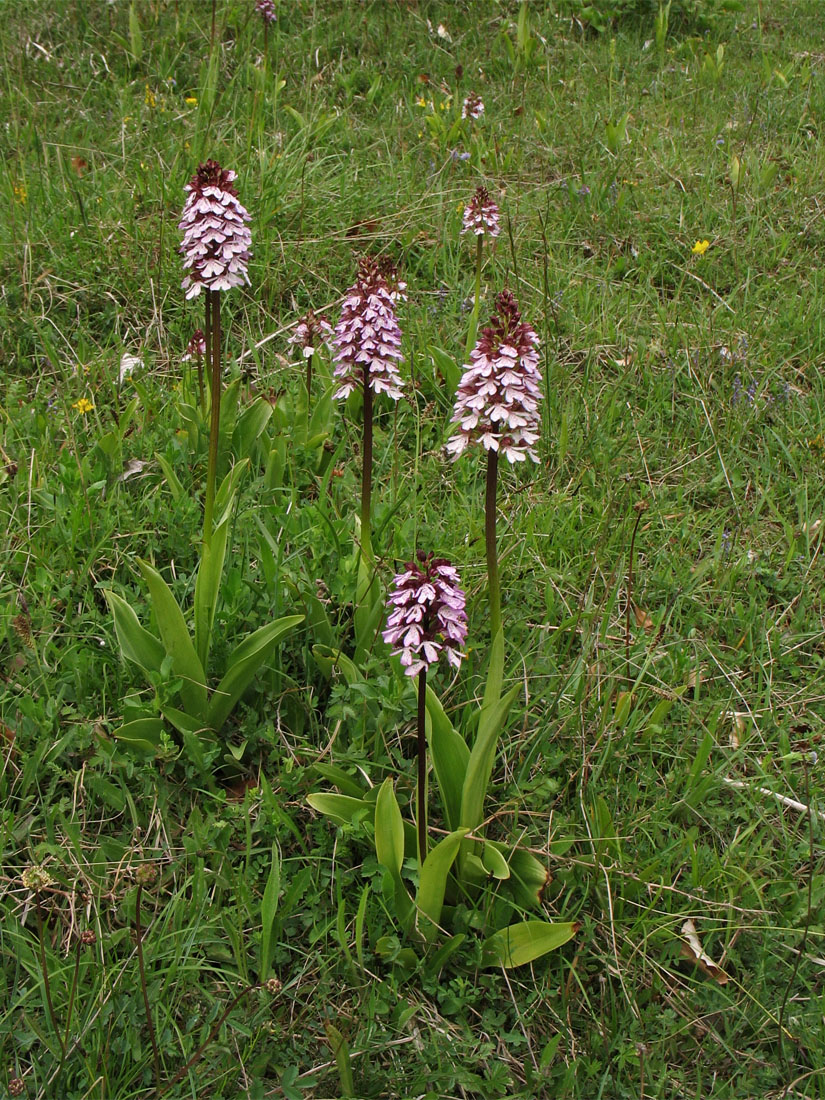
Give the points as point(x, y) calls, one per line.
point(266, 9)
point(497, 399)
point(426, 614)
point(216, 238)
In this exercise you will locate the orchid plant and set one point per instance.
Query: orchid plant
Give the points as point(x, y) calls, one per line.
point(427, 619)
point(216, 243)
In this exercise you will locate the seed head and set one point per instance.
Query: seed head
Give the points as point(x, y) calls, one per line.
point(146, 875)
point(17, 1086)
point(310, 332)
point(216, 238)
point(481, 215)
point(273, 986)
point(426, 614)
point(473, 107)
point(368, 332)
point(88, 937)
point(497, 399)
point(36, 877)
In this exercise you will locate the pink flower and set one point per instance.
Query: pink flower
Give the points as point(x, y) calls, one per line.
point(481, 215)
point(267, 10)
point(497, 399)
point(368, 334)
point(426, 614)
point(216, 238)
point(310, 332)
point(196, 346)
point(473, 106)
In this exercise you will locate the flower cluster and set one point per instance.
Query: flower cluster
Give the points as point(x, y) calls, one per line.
point(368, 335)
point(472, 107)
point(481, 215)
point(309, 333)
point(426, 614)
point(195, 347)
point(266, 9)
point(497, 399)
point(216, 238)
point(700, 248)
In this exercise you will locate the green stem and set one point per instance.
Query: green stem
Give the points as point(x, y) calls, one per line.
point(422, 765)
point(70, 1009)
point(215, 419)
point(490, 541)
point(366, 473)
point(472, 331)
point(207, 334)
point(144, 990)
point(45, 971)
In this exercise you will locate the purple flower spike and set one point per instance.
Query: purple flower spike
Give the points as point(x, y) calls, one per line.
point(473, 107)
point(196, 346)
point(481, 215)
point(267, 10)
point(426, 614)
point(497, 399)
point(216, 238)
point(368, 332)
point(310, 333)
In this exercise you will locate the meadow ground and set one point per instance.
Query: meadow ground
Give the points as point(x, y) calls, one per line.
point(659, 176)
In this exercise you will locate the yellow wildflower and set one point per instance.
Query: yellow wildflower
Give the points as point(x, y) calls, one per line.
point(421, 101)
point(83, 405)
point(21, 195)
point(191, 101)
point(700, 248)
point(149, 97)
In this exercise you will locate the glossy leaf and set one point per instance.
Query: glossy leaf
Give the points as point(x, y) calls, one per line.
point(433, 882)
point(244, 663)
point(207, 587)
point(525, 942)
point(136, 643)
point(142, 734)
point(269, 909)
point(177, 641)
point(480, 764)
point(341, 808)
point(450, 757)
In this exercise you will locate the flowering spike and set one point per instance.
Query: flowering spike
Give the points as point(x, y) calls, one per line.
point(266, 9)
point(310, 332)
point(216, 238)
point(195, 347)
point(473, 106)
point(426, 614)
point(481, 215)
point(497, 399)
point(368, 332)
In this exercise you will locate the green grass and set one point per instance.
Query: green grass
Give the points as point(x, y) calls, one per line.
point(691, 383)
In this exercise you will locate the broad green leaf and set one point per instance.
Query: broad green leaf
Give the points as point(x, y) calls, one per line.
point(329, 659)
point(253, 652)
point(495, 673)
point(251, 423)
point(494, 862)
point(434, 964)
point(172, 480)
point(136, 644)
point(142, 734)
point(341, 808)
point(433, 882)
point(225, 496)
point(450, 757)
point(340, 1050)
point(528, 875)
point(229, 415)
point(269, 908)
point(522, 943)
point(176, 639)
point(480, 764)
point(207, 587)
point(389, 848)
point(389, 829)
point(185, 723)
point(345, 782)
point(369, 607)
